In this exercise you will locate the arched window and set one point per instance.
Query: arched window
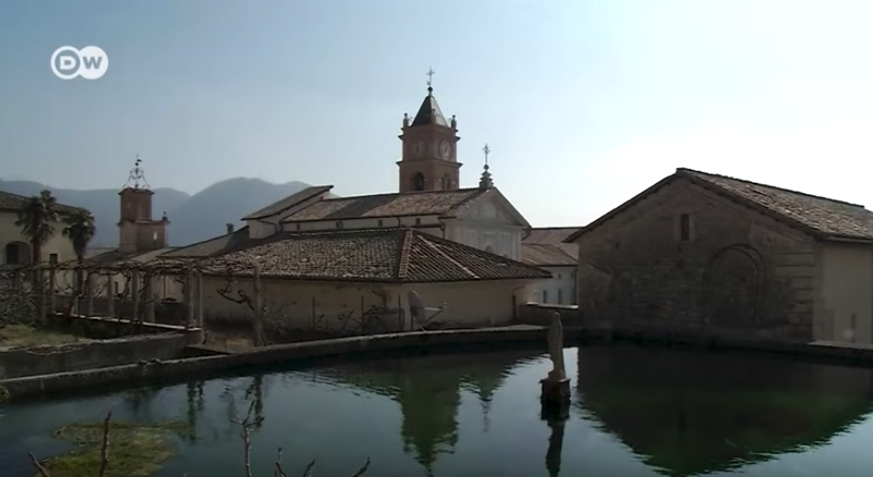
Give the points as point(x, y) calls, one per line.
point(418, 181)
point(444, 183)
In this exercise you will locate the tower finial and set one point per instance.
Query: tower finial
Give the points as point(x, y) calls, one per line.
point(485, 182)
point(430, 73)
point(136, 179)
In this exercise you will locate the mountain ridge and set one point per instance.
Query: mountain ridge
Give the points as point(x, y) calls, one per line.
point(193, 217)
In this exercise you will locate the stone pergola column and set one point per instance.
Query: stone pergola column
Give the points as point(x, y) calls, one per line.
point(52, 297)
point(89, 298)
point(134, 295)
point(110, 296)
point(151, 297)
point(200, 323)
point(189, 302)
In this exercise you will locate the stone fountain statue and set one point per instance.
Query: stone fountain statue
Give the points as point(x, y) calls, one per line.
point(421, 315)
point(556, 348)
point(555, 398)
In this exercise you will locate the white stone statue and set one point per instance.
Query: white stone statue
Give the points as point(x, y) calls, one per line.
point(556, 348)
point(420, 312)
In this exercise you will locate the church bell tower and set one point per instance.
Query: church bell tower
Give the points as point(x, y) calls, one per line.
point(430, 155)
point(137, 231)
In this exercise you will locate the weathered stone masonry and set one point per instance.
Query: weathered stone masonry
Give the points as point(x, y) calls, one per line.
point(738, 270)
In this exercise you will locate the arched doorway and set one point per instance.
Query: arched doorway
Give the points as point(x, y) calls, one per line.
point(731, 287)
point(16, 253)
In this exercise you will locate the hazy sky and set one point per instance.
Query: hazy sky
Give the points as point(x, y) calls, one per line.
point(583, 103)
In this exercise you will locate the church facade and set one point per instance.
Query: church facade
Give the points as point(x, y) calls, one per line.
point(457, 247)
point(429, 196)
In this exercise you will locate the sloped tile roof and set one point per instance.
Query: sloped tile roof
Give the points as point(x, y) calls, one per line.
point(214, 246)
point(549, 235)
point(446, 203)
point(397, 255)
point(114, 255)
point(543, 255)
point(10, 202)
point(288, 202)
point(825, 219)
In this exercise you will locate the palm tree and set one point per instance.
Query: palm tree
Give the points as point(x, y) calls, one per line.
point(37, 218)
point(79, 230)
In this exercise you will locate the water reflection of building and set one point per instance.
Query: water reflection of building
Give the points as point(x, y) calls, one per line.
point(689, 413)
point(428, 390)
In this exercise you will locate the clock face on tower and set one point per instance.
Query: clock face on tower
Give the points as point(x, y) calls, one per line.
point(418, 148)
point(445, 150)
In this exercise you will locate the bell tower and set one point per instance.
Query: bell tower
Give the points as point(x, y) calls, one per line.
point(137, 231)
point(430, 156)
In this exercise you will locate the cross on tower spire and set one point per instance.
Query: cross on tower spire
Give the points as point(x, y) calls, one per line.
point(485, 181)
point(430, 73)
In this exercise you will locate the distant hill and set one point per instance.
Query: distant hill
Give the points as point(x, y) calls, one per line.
point(192, 217)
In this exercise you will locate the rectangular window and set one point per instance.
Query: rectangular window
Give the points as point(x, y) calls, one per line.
point(560, 296)
point(115, 285)
point(380, 222)
point(53, 259)
point(684, 227)
point(13, 252)
point(417, 221)
point(545, 296)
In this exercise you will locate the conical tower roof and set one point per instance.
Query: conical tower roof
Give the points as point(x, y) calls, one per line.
point(429, 112)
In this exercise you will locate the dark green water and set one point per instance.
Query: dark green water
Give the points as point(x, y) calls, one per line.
point(636, 411)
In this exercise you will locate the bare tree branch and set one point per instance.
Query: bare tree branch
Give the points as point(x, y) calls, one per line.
point(104, 449)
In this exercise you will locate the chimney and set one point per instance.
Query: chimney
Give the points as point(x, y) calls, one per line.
point(230, 228)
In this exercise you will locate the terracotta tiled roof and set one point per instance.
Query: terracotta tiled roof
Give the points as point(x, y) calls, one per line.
point(288, 202)
point(10, 202)
point(214, 246)
point(447, 203)
point(382, 255)
point(552, 235)
point(112, 256)
point(543, 255)
point(825, 219)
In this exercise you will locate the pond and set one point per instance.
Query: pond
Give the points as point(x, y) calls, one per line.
point(635, 411)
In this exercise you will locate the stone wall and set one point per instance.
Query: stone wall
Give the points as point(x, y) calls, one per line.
point(740, 272)
point(107, 328)
point(90, 354)
point(539, 314)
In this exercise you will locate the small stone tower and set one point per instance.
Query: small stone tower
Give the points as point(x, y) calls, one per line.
point(137, 231)
point(429, 161)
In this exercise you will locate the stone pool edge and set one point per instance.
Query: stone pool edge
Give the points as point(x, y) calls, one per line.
point(373, 344)
point(437, 341)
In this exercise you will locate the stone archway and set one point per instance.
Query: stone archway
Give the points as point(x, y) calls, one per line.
point(16, 253)
point(732, 287)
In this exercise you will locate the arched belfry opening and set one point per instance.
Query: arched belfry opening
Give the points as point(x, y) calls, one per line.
point(418, 181)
